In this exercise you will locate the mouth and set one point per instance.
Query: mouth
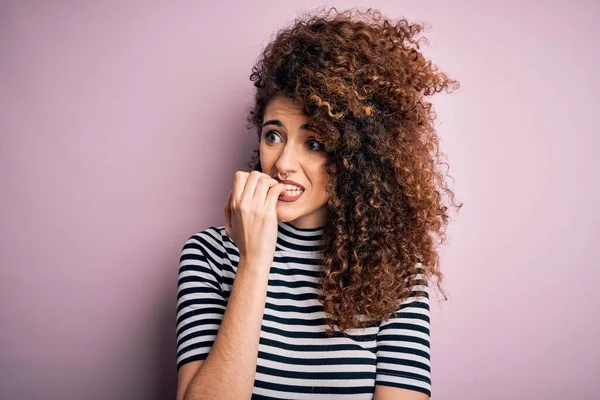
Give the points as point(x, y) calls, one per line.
point(292, 193)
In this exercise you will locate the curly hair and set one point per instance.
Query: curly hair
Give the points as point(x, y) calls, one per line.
point(362, 81)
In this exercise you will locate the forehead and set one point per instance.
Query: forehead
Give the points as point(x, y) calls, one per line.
point(284, 106)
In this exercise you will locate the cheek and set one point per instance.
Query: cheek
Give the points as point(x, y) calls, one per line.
point(265, 158)
point(319, 186)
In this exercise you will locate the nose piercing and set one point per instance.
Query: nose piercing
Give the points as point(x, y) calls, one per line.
point(279, 175)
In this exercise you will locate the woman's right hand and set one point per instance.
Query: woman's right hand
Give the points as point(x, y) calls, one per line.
point(251, 214)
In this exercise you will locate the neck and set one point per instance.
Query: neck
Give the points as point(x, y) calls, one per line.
point(291, 238)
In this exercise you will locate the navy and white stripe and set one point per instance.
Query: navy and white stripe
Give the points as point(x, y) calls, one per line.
point(295, 359)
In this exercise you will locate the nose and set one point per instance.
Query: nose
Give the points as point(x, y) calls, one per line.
point(288, 159)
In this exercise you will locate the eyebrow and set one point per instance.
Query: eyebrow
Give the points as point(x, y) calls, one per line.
point(280, 124)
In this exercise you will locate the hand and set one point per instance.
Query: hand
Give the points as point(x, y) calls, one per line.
point(251, 214)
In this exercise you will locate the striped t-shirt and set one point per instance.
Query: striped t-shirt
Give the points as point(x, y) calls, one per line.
point(296, 360)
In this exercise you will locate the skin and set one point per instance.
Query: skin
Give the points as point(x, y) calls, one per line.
point(285, 145)
point(288, 146)
point(291, 148)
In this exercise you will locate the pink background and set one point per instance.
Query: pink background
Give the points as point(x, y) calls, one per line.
point(122, 124)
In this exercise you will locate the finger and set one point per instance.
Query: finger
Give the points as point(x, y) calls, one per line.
point(250, 187)
point(273, 196)
point(265, 182)
point(239, 182)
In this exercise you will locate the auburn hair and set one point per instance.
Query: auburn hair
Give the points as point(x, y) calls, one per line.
point(363, 82)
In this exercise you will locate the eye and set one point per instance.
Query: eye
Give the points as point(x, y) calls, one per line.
point(268, 133)
point(316, 148)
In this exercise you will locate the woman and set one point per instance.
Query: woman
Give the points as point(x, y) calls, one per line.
point(317, 284)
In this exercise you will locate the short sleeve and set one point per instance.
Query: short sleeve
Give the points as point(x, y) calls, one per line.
point(403, 348)
point(200, 300)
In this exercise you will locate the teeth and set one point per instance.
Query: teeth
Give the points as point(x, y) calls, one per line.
point(290, 188)
point(292, 192)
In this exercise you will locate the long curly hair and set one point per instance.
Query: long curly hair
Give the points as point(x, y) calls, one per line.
point(362, 81)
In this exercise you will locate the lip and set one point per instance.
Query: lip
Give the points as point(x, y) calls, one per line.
point(290, 198)
point(289, 182)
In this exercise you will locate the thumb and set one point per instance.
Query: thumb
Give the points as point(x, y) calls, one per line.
point(227, 212)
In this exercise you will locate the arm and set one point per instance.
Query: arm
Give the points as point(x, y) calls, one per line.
point(394, 393)
point(229, 370)
point(403, 349)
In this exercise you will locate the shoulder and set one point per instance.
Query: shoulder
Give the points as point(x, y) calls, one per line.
point(213, 239)
point(206, 252)
point(212, 242)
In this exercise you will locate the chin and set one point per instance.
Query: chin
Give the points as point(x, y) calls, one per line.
point(286, 216)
